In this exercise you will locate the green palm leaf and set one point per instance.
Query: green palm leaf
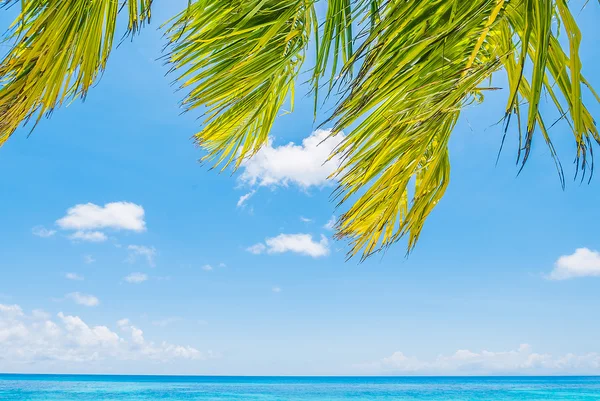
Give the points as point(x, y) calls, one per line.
point(239, 60)
point(60, 49)
point(422, 63)
point(404, 71)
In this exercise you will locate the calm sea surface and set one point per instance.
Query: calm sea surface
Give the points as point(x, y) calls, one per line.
point(149, 388)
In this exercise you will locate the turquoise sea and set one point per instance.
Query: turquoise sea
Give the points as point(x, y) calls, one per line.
point(150, 388)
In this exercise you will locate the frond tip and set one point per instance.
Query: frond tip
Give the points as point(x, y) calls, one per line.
point(139, 14)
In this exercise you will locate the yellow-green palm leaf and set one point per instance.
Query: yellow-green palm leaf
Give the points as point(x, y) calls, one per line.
point(239, 60)
point(60, 49)
point(421, 63)
point(403, 70)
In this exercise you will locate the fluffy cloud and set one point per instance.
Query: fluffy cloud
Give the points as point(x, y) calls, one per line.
point(88, 236)
point(83, 299)
point(87, 222)
point(115, 215)
point(88, 259)
point(11, 310)
point(136, 278)
point(464, 362)
point(32, 340)
point(305, 165)
point(244, 198)
point(583, 263)
point(163, 351)
point(138, 250)
point(297, 243)
point(207, 268)
point(43, 232)
point(73, 276)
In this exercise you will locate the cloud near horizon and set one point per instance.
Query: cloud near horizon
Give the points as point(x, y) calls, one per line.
point(464, 362)
point(83, 299)
point(37, 339)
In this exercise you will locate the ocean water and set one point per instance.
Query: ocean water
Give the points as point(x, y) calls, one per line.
point(150, 388)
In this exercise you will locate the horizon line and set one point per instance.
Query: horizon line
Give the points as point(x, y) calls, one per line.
point(304, 376)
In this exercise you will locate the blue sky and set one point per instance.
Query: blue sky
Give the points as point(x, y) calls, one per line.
point(111, 227)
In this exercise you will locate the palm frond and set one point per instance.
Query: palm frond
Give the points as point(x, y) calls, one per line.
point(405, 69)
point(239, 60)
point(336, 41)
point(554, 72)
point(60, 49)
point(337, 31)
point(423, 62)
point(140, 12)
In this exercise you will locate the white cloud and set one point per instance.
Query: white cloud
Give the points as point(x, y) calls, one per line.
point(207, 268)
point(37, 339)
point(305, 165)
point(464, 362)
point(115, 215)
point(88, 236)
point(12, 310)
point(222, 264)
point(41, 231)
point(244, 198)
point(297, 243)
point(136, 278)
point(152, 351)
point(276, 289)
point(138, 250)
point(305, 219)
point(83, 335)
point(257, 249)
point(74, 276)
point(40, 314)
point(330, 225)
point(83, 299)
point(88, 259)
point(583, 263)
